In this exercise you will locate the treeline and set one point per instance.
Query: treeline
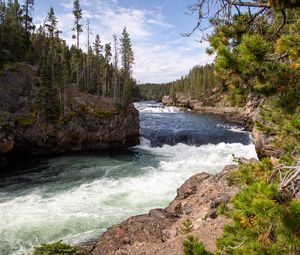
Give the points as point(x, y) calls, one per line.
point(96, 71)
point(198, 84)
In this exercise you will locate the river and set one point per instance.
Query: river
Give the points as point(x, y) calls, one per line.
point(75, 197)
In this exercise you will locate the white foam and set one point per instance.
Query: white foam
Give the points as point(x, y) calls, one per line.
point(84, 211)
point(233, 128)
point(151, 107)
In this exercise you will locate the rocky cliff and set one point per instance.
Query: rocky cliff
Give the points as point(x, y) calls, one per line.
point(88, 122)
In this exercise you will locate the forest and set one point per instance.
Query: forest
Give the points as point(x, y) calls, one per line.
point(59, 66)
point(199, 83)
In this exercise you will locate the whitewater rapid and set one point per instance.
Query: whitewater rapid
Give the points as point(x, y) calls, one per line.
point(86, 203)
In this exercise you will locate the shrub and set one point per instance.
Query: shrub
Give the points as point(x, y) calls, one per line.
point(186, 227)
point(57, 248)
point(191, 246)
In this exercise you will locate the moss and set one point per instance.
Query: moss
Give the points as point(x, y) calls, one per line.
point(24, 121)
point(95, 112)
point(102, 114)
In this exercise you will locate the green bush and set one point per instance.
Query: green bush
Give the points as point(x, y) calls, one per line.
point(57, 248)
point(263, 219)
point(186, 227)
point(191, 246)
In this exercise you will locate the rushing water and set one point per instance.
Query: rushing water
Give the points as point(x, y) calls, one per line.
point(75, 197)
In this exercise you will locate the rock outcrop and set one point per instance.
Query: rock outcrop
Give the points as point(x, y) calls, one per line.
point(88, 122)
point(158, 231)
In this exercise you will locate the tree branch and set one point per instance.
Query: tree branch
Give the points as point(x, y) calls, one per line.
point(250, 4)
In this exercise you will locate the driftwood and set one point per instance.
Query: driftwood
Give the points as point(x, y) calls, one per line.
point(289, 178)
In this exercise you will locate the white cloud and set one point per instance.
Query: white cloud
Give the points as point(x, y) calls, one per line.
point(166, 62)
point(154, 62)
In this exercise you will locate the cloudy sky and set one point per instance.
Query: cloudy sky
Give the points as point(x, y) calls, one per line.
point(155, 28)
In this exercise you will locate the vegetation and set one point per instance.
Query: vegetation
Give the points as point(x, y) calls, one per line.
point(191, 246)
point(186, 227)
point(257, 52)
point(264, 215)
point(200, 83)
point(57, 248)
point(60, 66)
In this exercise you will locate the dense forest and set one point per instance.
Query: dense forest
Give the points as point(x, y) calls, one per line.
point(59, 66)
point(199, 83)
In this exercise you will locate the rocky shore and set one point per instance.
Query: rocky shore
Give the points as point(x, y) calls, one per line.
point(242, 115)
point(158, 232)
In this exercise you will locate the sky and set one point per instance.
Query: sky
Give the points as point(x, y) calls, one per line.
point(155, 27)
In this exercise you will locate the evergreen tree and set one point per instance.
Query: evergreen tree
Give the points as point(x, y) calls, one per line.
point(115, 75)
point(14, 43)
point(51, 26)
point(28, 8)
point(127, 62)
point(126, 52)
point(98, 50)
point(77, 12)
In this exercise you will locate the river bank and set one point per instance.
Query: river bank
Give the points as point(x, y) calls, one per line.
point(242, 115)
point(158, 232)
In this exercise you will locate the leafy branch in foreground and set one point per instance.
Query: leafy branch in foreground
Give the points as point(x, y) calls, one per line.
point(263, 213)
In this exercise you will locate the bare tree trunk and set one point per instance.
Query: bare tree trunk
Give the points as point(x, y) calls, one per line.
point(105, 83)
point(64, 99)
point(77, 78)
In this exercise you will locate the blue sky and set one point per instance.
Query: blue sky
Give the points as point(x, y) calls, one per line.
point(155, 27)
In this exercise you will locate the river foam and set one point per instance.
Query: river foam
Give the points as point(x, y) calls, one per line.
point(152, 107)
point(82, 212)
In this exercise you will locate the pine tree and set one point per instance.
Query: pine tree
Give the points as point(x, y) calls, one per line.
point(98, 50)
point(115, 74)
point(50, 103)
point(127, 62)
point(51, 26)
point(107, 59)
point(77, 12)
point(126, 52)
point(28, 8)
